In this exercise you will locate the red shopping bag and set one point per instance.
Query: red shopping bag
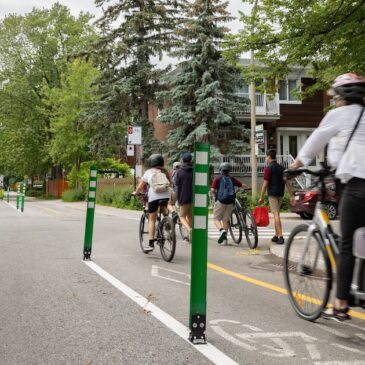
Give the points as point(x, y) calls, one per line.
point(261, 215)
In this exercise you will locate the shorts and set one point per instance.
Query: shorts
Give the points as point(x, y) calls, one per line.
point(186, 210)
point(153, 205)
point(275, 203)
point(222, 212)
point(173, 198)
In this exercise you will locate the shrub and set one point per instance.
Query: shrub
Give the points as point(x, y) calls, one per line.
point(119, 198)
point(1, 193)
point(34, 193)
point(246, 200)
point(73, 195)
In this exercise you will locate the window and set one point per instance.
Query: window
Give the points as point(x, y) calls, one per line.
point(286, 91)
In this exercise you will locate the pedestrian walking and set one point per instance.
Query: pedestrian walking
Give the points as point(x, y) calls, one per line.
point(184, 184)
point(223, 189)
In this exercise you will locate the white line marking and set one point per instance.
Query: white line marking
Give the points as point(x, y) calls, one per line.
point(209, 351)
point(356, 362)
point(313, 352)
point(350, 349)
point(155, 271)
point(14, 207)
point(331, 330)
point(220, 331)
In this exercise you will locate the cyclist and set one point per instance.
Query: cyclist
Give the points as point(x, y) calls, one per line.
point(184, 184)
point(223, 189)
point(159, 193)
point(171, 206)
point(346, 152)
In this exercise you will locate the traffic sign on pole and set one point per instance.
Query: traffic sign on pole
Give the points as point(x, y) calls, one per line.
point(134, 135)
point(260, 139)
point(199, 247)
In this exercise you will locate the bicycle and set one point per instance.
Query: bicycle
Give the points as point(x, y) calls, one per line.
point(164, 233)
point(310, 259)
point(242, 220)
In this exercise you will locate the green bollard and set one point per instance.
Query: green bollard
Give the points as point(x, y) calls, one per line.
point(8, 194)
point(199, 248)
point(17, 196)
point(23, 198)
point(90, 212)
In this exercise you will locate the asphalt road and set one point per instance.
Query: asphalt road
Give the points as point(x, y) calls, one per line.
point(55, 309)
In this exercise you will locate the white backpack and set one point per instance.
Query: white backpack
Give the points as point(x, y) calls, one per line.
point(159, 182)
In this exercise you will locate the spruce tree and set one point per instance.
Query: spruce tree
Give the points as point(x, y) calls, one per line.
point(199, 100)
point(133, 35)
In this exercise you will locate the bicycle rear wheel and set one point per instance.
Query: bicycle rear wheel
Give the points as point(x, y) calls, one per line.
point(250, 229)
point(307, 273)
point(144, 232)
point(184, 233)
point(168, 239)
point(235, 227)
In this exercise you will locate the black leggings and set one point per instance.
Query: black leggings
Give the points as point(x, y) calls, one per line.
point(352, 216)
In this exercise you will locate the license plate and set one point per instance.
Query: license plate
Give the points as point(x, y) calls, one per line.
point(297, 197)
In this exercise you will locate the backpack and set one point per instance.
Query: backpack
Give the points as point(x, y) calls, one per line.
point(226, 193)
point(159, 182)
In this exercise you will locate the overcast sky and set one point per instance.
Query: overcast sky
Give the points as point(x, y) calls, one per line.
point(76, 6)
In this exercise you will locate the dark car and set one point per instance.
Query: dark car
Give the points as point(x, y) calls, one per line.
point(304, 201)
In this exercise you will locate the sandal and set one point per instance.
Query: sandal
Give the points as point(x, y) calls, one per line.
point(338, 314)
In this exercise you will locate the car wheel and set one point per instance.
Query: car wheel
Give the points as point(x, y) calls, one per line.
point(305, 215)
point(332, 211)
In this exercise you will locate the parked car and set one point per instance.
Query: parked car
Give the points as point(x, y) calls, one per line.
point(303, 202)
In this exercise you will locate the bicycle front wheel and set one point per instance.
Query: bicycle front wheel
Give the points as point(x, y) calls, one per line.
point(250, 229)
point(235, 227)
point(144, 232)
point(168, 239)
point(307, 273)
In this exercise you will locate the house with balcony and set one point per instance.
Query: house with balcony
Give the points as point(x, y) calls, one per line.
point(287, 121)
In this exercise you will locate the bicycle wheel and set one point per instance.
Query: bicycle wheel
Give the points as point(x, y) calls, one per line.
point(168, 239)
point(235, 227)
point(144, 232)
point(307, 273)
point(250, 229)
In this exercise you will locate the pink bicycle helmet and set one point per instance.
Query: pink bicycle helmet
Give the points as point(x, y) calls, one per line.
point(349, 85)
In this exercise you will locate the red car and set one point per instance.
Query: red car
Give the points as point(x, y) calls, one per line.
point(304, 201)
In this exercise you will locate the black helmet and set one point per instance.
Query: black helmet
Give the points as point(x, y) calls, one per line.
point(225, 167)
point(156, 160)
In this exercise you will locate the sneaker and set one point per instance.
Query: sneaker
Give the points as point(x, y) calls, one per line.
point(186, 239)
point(175, 217)
point(224, 242)
point(280, 241)
point(275, 239)
point(222, 236)
point(149, 247)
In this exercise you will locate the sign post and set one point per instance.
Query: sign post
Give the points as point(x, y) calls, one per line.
point(23, 198)
point(199, 247)
point(17, 196)
point(88, 241)
point(134, 138)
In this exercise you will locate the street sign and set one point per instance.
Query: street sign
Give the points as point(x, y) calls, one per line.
point(134, 135)
point(259, 133)
point(1, 181)
point(130, 150)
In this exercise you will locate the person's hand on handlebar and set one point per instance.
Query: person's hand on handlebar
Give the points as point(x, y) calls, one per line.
point(295, 165)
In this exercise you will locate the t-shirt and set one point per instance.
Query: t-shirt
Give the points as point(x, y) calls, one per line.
point(151, 194)
point(215, 183)
point(274, 174)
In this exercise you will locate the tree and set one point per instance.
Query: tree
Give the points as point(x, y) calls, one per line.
point(69, 145)
point(133, 33)
point(328, 36)
point(34, 52)
point(199, 100)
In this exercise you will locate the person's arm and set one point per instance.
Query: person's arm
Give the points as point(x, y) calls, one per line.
point(214, 186)
point(288, 186)
point(239, 183)
point(139, 187)
point(265, 184)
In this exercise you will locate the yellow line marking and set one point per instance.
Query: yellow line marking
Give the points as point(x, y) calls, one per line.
point(272, 287)
point(47, 209)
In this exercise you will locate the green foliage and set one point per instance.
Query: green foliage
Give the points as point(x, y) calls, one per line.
point(34, 193)
point(80, 178)
point(199, 98)
point(73, 195)
point(119, 198)
point(325, 35)
point(1, 193)
point(245, 199)
point(34, 52)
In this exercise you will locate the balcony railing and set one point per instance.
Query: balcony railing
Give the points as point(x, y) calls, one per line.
point(266, 104)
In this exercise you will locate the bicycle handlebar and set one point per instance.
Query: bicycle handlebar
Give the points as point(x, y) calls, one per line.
point(320, 173)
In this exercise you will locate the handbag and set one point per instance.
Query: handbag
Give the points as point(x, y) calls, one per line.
point(261, 215)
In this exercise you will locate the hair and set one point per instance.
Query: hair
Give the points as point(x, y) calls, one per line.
point(272, 153)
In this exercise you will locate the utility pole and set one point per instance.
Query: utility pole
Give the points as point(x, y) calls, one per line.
point(253, 121)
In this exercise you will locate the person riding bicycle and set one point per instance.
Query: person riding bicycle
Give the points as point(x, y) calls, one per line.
point(159, 192)
point(346, 151)
point(223, 189)
point(171, 206)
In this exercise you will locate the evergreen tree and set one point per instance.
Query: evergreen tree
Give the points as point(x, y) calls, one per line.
point(199, 99)
point(133, 34)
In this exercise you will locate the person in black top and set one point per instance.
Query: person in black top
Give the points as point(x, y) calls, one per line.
point(274, 183)
point(184, 185)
